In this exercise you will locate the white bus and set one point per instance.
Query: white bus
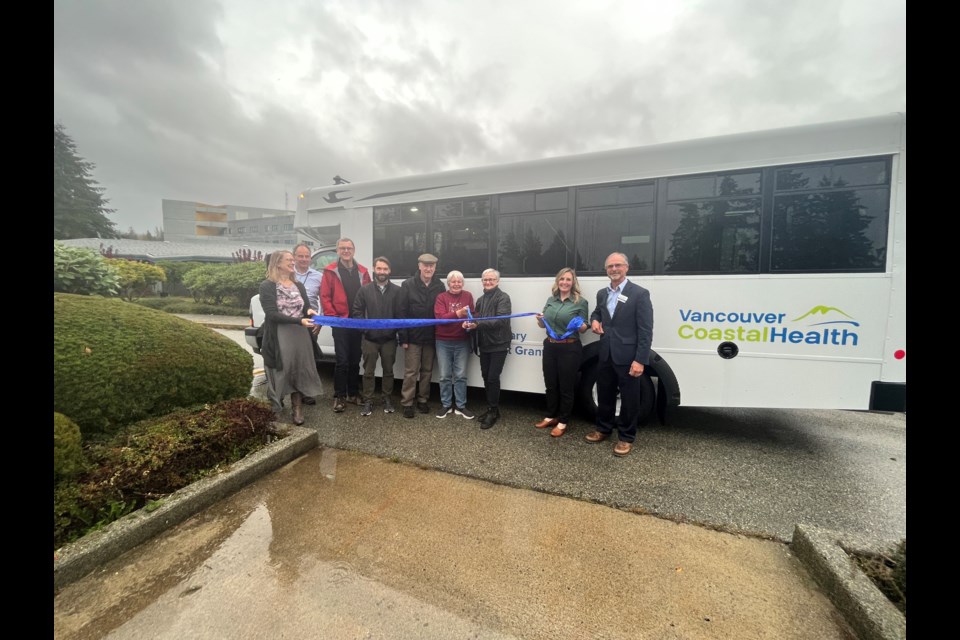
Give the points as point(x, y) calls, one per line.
point(775, 260)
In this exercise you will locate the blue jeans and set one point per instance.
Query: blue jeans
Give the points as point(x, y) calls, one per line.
point(452, 360)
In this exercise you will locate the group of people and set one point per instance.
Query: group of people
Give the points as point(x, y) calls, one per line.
point(294, 292)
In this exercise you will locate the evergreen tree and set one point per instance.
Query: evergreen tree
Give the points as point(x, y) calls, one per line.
point(79, 208)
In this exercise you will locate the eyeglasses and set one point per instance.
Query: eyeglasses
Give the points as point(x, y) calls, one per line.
point(344, 248)
point(615, 265)
point(488, 280)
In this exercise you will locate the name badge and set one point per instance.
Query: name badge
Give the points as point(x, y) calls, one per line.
point(621, 298)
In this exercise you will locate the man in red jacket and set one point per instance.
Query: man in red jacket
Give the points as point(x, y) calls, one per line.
point(338, 289)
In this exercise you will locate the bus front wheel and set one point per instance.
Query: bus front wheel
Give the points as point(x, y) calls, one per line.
point(587, 400)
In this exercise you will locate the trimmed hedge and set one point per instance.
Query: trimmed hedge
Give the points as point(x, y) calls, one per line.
point(171, 304)
point(68, 459)
point(116, 363)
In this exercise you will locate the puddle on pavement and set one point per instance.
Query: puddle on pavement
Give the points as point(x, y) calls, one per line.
point(344, 545)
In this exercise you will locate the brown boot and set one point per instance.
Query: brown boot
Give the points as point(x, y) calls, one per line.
point(296, 402)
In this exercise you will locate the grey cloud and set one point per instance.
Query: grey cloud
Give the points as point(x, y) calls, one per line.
point(143, 88)
point(420, 138)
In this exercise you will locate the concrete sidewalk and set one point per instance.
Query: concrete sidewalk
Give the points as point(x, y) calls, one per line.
point(341, 544)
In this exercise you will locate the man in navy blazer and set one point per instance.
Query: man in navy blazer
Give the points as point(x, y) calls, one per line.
point(624, 321)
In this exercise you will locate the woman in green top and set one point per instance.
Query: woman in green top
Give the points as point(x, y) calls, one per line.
point(561, 354)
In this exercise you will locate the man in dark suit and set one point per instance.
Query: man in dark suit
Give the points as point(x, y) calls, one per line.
point(624, 321)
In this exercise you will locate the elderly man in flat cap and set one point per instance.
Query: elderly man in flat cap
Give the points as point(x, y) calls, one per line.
point(418, 294)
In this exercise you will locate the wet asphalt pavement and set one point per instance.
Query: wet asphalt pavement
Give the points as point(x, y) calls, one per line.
point(757, 471)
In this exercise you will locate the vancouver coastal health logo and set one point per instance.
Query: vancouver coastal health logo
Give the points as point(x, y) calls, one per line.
point(820, 325)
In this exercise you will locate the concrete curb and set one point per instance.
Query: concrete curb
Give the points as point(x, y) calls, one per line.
point(864, 606)
point(75, 560)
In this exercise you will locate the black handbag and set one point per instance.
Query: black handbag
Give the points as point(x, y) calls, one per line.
point(475, 340)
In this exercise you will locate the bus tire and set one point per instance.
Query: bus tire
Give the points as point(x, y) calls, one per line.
point(587, 398)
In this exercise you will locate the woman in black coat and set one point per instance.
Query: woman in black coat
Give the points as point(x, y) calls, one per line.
point(287, 346)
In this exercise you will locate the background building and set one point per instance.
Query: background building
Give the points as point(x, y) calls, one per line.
point(184, 220)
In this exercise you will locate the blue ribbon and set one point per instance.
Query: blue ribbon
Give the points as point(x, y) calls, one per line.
point(400, 323)
point(572, 326)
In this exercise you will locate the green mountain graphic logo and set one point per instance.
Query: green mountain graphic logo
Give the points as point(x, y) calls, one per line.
point(821, 310)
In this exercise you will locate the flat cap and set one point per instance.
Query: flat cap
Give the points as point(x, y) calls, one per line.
point(427, 258)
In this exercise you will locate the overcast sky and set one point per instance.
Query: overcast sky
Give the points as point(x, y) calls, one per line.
point(241, 101)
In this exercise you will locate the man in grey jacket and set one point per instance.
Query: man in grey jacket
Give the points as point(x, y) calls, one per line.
point(377, 300)
point(492, 341)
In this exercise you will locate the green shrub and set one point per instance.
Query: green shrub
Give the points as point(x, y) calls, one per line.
point(116, 363)
point(82, 271)
point(202, 283)
point(217, 282)
point(68, 457)
point(136, 278)
point(153, 458)
point(175, 271)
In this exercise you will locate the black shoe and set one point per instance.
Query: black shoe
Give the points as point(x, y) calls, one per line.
point(423, 407)
point(309, 400)
point(338, 405)
point(444, 412)
point(367, 409)
point(466, 413)
point(408, 412)
point(388, 406)
point(489, 418)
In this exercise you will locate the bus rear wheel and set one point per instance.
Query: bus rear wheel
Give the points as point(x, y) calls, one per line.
point(587, 399)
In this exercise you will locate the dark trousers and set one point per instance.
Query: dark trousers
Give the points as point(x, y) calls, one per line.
point(386, 352)
point(346, 373)
point(612, 378)
point(491, 366)
point(560, 364)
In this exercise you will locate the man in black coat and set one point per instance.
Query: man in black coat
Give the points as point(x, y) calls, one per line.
point(624, 321)
point(378, 300)
point(418, 294)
